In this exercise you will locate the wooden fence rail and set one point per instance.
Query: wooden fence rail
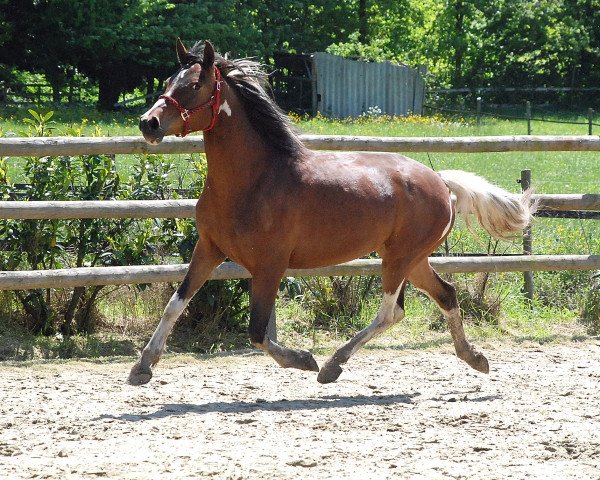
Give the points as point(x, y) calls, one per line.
point(48, 146)
point(185, 208)
point(18, 280)
point(72, 277)
point(39, 210)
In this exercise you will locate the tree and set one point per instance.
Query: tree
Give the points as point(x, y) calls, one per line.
point(12, 51)
point(122, 45)
point(117, 44)
point(515, 42)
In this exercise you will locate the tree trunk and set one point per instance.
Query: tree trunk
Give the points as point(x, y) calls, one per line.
point(67, 326)
point(362, 22)
point(460, 46)
point(86, 323)
point(149, 90)
point(56, 88)
point(37, 309)
point(109, 91)
point(57, 81)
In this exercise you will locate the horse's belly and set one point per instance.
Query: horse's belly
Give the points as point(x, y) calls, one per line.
point(306, 260)
point(333, 243)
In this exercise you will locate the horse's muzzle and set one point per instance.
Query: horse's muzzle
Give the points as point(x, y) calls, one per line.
point(151, 129)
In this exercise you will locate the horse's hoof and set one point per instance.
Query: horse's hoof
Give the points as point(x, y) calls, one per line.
point(308, 362)
point(329, 373)
point(479, 363)
point(139, 375)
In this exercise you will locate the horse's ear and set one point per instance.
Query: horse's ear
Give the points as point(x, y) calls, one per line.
point(182, 52)
point(209, 55)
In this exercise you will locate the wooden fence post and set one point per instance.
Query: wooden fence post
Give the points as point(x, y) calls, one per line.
point(478, 111)
point(528, 116)
point(590, 120)
point(527, 240)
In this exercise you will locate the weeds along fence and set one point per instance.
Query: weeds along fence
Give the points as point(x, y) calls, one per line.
point(85, 276)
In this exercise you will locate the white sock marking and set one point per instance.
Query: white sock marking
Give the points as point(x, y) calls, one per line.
point(389, 313)
point(173, 310)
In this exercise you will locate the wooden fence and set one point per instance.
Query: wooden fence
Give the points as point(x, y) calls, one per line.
point(47, 146)
point(19, 280)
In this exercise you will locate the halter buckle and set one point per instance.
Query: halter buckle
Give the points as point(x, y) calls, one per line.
point(185, 114)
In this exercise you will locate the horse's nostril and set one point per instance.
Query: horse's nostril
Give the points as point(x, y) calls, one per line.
point(153, 123)
point(149, 125)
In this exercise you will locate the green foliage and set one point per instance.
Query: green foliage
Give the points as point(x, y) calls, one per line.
point(376, 51)
point(336, 302)
point(40, 123)
point(122, 46)
point(216, 316)
point(48, 244)
point(590, 312)
point(515, 42)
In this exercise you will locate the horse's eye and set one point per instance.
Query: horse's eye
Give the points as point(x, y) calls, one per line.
point(196, 86)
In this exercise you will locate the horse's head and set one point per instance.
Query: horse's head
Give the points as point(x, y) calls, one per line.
point(191, 98)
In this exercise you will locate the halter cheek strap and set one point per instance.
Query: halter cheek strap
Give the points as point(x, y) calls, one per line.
point(213, 103)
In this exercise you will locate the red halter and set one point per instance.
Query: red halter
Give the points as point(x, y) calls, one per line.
point(212, 102)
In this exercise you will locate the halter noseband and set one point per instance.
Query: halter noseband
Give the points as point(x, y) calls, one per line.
point(212, 102)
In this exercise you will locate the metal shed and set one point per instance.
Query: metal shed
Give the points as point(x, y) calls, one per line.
point(348, 88)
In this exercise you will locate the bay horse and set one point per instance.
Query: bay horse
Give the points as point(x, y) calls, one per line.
point(269, 203)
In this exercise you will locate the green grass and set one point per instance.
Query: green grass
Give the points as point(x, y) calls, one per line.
point(552, 172)
point(68, 120)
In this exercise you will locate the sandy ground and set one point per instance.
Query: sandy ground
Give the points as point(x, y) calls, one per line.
point(392, 414)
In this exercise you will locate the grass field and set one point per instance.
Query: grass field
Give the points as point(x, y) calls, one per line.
point(560, 297)
point(568, 172)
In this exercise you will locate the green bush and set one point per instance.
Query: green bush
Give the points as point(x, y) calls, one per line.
point(590, 312)
point(336, 302)
point(51, 244)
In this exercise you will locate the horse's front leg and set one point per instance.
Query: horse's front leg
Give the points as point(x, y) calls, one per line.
point(204, 259)
point(264, 291)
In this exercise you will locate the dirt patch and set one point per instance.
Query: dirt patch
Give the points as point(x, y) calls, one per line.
point(392, 414)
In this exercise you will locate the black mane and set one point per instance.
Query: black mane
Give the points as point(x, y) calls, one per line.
point(251, 83)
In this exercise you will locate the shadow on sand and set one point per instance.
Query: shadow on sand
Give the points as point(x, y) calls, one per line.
point(326, 402)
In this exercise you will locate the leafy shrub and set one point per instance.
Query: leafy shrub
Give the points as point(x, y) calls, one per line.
point(48, 244)
point(590, 312)
point(376, 50)
point(336, 302)
point(215, 318)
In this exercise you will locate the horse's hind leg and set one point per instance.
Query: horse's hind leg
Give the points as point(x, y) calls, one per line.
point(390, 312)
point(444, 294)
point(204, 259)
point(264, 290)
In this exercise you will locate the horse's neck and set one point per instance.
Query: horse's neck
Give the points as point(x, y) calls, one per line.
point(235, 153)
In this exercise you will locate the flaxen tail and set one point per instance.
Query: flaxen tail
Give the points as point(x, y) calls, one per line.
point(502, 214)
